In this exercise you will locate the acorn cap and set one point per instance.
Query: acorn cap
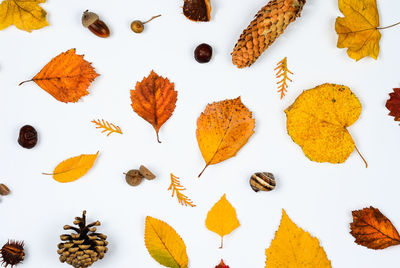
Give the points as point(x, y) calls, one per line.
point(88, 18)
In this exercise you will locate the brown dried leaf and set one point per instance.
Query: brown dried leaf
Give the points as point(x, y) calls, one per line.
point(373, 230)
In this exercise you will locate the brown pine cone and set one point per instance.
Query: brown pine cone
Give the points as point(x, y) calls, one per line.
point(270, 22)
point(83, 248)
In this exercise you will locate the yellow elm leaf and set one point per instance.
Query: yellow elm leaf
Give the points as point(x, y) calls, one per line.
point(318, 122)
point(26, 15)
point(223, 129)
point(73, 168)
point(164, 244)
point(358, 30)
point(293, 247)
point(222, 219)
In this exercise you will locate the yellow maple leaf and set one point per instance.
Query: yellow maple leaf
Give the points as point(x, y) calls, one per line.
point(223, 129)
point(318, 121)
point(222, 219)
point(359, 29)
point(164, 244)
point(294, 248)
point(73, 168)
point(26, 15)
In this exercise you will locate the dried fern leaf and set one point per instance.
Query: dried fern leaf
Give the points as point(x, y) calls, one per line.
point(283, 74)
point(177, 189)
point(107, 127)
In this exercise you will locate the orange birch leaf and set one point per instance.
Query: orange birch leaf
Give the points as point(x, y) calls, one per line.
point(154, 100)
point(223, 129)
point(222, 219)
point(73, 168)
point(373, 230)
point(66, 77)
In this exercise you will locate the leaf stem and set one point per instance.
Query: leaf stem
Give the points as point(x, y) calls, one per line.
point(222, 242)
point(390, 26)
point(366, 164)
point(158, 138)
point(152, 18)
point(23, 82)
point(203, 171)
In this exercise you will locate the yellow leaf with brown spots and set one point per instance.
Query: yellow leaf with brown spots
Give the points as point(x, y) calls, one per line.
point(26, 15)
point(318, 122)
point(222, 129)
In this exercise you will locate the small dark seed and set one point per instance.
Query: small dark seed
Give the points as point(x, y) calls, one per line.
point(27, 137)
point(203, 53)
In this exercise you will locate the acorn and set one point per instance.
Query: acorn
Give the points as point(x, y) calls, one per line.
point(262, 181)
point(4, 190)
point(133, 177)
point(91, 21)
point(137, 26)
point(146, 173)
point(12, 253)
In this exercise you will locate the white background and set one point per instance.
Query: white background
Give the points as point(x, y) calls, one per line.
point(317, 197)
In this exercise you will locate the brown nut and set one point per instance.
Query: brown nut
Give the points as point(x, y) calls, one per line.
point(146, 173)
point(262, 181)
point(4, 189)
point(133, 177)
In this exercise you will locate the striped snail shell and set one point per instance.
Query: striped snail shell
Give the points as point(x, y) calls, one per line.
point(262, 181)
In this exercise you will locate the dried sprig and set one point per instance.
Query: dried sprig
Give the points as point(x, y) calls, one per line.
point(282, 72)
point(111, 128)
point(176, 187)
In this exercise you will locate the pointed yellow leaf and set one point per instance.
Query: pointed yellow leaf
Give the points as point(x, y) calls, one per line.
point(26, 15)
point(74, 168)
point(164, 244)
point(358, 30)
point(221, 219)
point(293, 247)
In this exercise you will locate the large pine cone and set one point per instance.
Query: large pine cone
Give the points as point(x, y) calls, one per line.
point(270, 22)
point(83, 248)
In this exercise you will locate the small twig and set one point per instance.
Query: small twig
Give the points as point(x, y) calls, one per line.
point(152, 18)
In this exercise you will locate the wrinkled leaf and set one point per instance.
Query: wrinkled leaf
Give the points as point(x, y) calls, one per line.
point(222, 265)
point(154, 100)
point(293, 247)
point(26, 15)
point(66, 77)
point(164, 244)
point(358, 29)
point(223, 129)
point(222, 219)
point(373, 230)
point(393, 104)
point(74, 168)
point(318, 122)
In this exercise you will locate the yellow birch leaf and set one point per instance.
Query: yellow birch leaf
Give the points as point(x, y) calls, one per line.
point(221, 219)
point(318, 122)
point(26, 15)
point(294, 248)
point(164, 244)
point(73, 168)
point(223, 129)
point(358, 30)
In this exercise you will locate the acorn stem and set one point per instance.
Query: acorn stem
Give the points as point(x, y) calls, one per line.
point(366, 164)
point(152, 18)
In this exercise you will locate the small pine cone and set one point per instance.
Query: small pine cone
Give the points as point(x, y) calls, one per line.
point(84, 247)
point(270, 22)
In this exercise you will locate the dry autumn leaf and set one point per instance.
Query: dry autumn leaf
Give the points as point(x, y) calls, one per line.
point(283, 74)
point(73, 168)
point(66, 77)
point(26, 15)
point(293, 247)
point(359, 29)
point(318, 120)
point(177, 189)
point(107, 127)
point(223, 129)
point(222, 219)
point(222, 265)
point(373, 230)
point(393, 104)
point(164, 244)
point(154, 100)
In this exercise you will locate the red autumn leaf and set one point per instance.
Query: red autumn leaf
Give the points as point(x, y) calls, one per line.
point(154, 100)
point(222, 265)
point(393, 104)
point(373, 230)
